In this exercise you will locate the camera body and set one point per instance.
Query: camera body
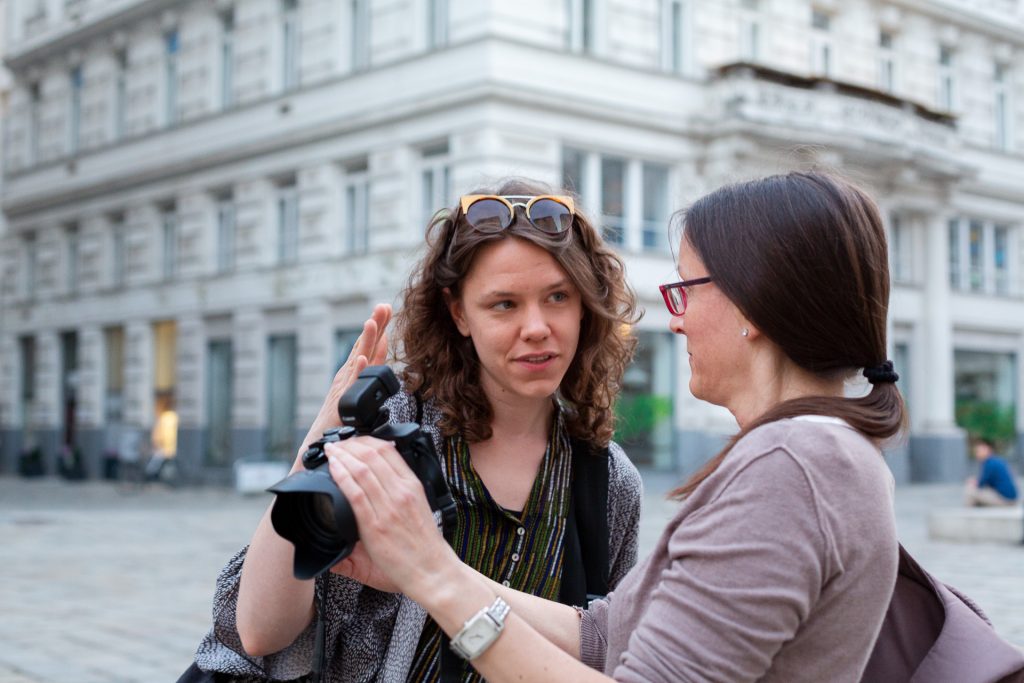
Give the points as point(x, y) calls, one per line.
point(313, 514)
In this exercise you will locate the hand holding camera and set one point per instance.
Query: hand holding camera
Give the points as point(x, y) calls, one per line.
point(313, 514)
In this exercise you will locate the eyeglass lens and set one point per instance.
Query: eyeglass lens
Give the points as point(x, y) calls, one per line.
point(677, 296)
point(550, 216)
point(491, 215)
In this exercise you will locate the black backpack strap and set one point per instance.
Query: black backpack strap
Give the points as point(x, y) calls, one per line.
point(586, 567)
point(418, 397)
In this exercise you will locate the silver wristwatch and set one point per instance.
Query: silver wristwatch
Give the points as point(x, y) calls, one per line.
point(480, 630)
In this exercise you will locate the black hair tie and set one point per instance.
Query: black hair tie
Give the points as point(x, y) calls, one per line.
point(881, 373)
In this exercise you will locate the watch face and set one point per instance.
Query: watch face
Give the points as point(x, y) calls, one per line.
point(477, 635)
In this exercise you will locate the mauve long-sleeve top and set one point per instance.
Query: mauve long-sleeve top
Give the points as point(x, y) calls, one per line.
point(779, 567)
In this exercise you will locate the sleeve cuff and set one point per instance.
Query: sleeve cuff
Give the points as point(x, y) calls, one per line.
point(593, 644)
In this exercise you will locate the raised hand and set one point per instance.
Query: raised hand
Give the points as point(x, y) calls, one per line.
point(371, 348)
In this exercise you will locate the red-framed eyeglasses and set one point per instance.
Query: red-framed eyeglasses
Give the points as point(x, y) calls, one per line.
point(675, 294)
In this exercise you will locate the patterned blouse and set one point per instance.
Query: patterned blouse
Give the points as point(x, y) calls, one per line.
point(375, 636)
point(518, 549)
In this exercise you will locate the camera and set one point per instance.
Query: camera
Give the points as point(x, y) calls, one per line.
point(313, 514)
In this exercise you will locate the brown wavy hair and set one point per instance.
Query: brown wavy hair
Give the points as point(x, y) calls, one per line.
point(804, 257)
point(443, 365)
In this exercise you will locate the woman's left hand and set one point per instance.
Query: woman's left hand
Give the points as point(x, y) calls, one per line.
point(396, 526)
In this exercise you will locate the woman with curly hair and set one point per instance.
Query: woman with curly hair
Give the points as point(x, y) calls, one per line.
point(514, 337)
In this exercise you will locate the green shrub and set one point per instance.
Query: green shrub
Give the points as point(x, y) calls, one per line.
point(987, 420)
point(637, 415)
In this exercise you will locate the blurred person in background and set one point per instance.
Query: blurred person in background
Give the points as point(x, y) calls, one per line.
point(994, 486)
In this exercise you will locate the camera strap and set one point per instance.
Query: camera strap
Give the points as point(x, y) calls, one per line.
point(585, 546)
point(320, 643)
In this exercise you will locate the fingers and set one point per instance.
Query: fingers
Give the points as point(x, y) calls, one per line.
point(388, 455)
point(356, 479)
point(372, 343)
point(384, 481)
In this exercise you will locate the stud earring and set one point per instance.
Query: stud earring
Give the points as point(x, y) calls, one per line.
point(745, 332)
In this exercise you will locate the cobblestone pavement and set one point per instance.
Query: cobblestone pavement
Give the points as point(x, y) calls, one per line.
point(102, 584)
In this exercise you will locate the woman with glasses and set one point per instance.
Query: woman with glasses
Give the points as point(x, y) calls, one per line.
point(514, 337)
point(781, 559)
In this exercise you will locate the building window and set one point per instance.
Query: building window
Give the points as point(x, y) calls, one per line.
point(750, 30)
point(674, 36)
point(360, 34)
point(653, 231)
point(613, 200)
point(947, 81)
point(75, 110)
point(165, 373)
point(68, 382)
point(118, 252)
point(227, 59)
point(822, 56)
point(357, 209)
point(886, 62)
point(290, 44)
point(113, 407)
point(631, 196)
point(437, 23)
point(643, 412)
point(219, 400)
point(171, 77)
point(573, 168)
point(120, 93)
point(27, 348)
point(1001, 259)
point(986, 393)
point(1001, 104)
point(435, 180)
point(281, 396)
point(287, 223)
point(982, 256)
point(954, 253)
point(901, 363)
point(34, 121)
point(975, 255)
point(344, 342)
point(225, 234)
point(31, 281)
point(580, 14)
point(169, 231)
point(73, 243)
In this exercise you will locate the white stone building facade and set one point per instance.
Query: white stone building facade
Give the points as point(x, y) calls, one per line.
point(203, 199)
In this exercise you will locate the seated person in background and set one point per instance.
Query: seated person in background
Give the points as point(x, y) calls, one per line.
point(995, 485)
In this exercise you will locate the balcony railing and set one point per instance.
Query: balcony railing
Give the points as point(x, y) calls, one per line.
point(842, 112)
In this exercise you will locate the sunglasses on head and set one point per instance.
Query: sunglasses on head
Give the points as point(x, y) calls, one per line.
point(551, 214)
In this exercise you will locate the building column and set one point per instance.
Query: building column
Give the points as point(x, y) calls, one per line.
point(938, 452)
point(138, 380)
point(249, 345)
point(315, 362)
point(46, 418)
point(89, 398)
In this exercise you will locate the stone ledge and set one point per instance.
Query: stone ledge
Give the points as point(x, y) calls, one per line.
point(977, 525)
